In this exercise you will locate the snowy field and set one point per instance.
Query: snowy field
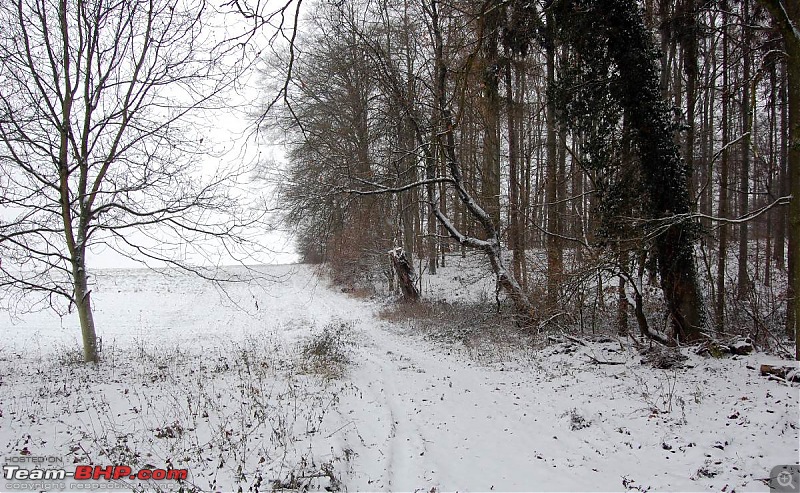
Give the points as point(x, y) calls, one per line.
point(286, 383)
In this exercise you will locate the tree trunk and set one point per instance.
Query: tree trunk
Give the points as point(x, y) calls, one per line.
point(490, 168)
point(772, 159)
point(622, 301)
point(793, 49)
point(779, 246)
point(76, 243)
point(722, 252)
point(666, 45)
point(514, 228)
point(83, 304)
point(552, 240)
point(578, 178)
point(409, 199)
point(787, 17)
point(706, 182)
point(743, 278)
point(663, 172)
point(430, 173)
point(405, 274)
point(689, 58)
point(525, 176)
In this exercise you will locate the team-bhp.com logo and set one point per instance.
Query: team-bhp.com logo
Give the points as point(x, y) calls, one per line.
point(49, 474)
point(83, 473)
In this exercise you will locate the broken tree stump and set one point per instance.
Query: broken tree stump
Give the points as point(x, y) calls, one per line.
point(405, 274)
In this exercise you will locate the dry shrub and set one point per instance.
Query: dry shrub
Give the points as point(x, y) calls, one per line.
point(327, 353)
point(485, 334)
point(361, 293)
point(401, 312)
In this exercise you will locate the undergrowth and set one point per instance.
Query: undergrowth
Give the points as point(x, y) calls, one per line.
point(327, 353)
point(481, 331)
point(238, 416)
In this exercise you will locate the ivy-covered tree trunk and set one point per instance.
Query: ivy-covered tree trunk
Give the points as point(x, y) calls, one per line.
point(629, 48)
point(663, 172)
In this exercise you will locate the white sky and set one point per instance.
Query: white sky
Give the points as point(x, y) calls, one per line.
point(230, 138)
point(232, 141)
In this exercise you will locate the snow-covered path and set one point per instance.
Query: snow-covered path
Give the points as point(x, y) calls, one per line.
point(429, 420)
point(425, 417)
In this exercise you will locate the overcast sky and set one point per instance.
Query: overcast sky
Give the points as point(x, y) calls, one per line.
point(231, 139)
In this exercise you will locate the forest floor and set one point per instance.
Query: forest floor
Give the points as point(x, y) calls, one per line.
point(288, 383)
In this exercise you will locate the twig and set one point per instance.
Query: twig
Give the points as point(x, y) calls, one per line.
point(544, 323)
point(575, 340)
point(340, 429)
point(604, 362)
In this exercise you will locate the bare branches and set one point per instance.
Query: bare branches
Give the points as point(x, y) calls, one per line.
point(746, 217)
point(101, 132)
point(659, 225)
point(380, 189)
point(784, 19)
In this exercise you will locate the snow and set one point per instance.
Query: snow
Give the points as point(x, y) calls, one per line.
point(220, 380)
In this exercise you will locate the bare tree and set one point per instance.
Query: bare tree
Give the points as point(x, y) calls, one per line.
point(787, 17)
point(101, 140)
point(443, 127)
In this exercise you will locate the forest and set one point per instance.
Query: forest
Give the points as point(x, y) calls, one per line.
point(588, 150)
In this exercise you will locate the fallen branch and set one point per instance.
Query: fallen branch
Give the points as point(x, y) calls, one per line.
point(544, 323)
point(574, 339)
point(603, 362)
point(785, 373)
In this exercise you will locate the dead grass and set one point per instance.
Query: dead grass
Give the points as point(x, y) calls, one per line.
point(327, 353)
point(241, 406)
point(476, 328)
point(359, 292)
point(424, 310)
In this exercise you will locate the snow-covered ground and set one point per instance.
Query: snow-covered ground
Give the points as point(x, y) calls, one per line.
point(286, 382)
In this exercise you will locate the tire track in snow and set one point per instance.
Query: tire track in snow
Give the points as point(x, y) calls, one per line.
point(445, 418)
point(404, 437)
point(381, 434)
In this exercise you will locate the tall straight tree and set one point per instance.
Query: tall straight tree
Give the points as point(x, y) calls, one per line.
point(489, 25)
point(553, 240)
point(722, 253)
point(744, 170)
point(787, 17)
point(689, 33)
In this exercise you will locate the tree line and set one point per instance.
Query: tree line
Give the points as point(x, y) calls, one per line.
point(571, 142)
point(581, 147)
